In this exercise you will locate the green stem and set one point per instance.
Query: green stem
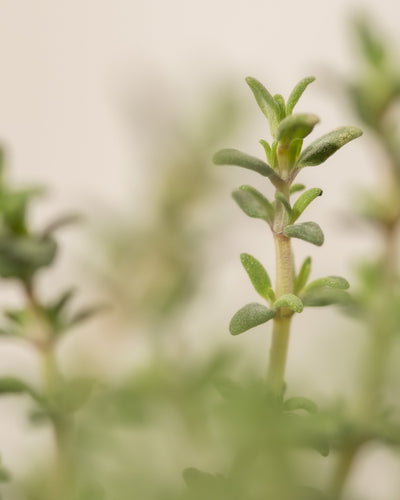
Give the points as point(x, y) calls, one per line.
point(284, 285)
point(343, 466)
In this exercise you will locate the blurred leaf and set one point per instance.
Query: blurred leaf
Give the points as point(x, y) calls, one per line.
point(325, 297)
point(302, 277)
point(296, 126)
point(372, 46)
point(253, 203)
point(328, 282)
point(291, 301)
point(307, 231)
point(297, 187)
point(299, 403)
point(12, 385)
point(60, 222)
point(239, 159)
point(297, 92)
point(249, 316)
point(303, 201)
point(266, 103)
point(321, 149)
point(257, 274)
point(21, 257)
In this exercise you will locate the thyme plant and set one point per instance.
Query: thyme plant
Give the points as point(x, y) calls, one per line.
point(285, 157)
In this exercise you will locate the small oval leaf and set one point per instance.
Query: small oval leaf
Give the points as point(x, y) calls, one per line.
point(257, 274)
point(297, 92)
point(296, 126)
point(266, 103)
point(303, 201)
point(329, 282)
point(239, 159)
point(280, 101)
point(321, 149)
point(253, 203)
point(296, 188)
point(291, 301)
point(302, 277)
point(307, 231)
point(326, 297)
point(249, 316)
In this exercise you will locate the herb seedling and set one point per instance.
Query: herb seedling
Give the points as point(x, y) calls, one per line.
point(286, 158)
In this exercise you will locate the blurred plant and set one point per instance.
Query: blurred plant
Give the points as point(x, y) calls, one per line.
point(24, 252)
point(374, 92)
point(151, 261)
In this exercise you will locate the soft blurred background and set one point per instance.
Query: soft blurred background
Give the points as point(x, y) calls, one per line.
point(117, 107)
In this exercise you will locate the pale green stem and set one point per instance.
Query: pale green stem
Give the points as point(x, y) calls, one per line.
point(284, 285)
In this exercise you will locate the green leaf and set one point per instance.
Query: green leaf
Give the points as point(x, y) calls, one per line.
point(303, 201)
point(266, 103)
point(257, 274)
point(303, 275)
point(321, 149)
point(299, 403)
point(253, 203)
point(280, 101)
point(239, 159)
point(285, 202)
point(294, 151)
point(291, 301)
point(12, 385)
point(307, 231)
point(267, 149)
point(325, 297)
point(297, 92)
point(329, 282)
point(296, 188)
point(296, 126)
point(274, 158)
point(249, 316)
point(22, 256)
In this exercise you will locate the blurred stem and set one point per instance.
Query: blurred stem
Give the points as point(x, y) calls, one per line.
point(284, 285)
point(342, 470)
point(61, 483)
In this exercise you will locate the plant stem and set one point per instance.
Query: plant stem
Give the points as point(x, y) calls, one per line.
point(343, 466)
point(284, 285)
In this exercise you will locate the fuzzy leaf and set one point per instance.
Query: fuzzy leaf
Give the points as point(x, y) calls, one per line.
point(299, 403)
point(325, 297)
point(296, 126)
point(267, 149)
point(239, 159)
point(280, 101)
point(291, 301)
point(303, 275)
point(329, 282)
point(249, 316)
point(296, 187)
point(321, 149)
point(12, 385)
point(266, 103)
point(257, 274)
point(253, 203)
point(303, 201)
point(294, 151)
point(285, 202)
point(297, 92)
point(307, 231)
